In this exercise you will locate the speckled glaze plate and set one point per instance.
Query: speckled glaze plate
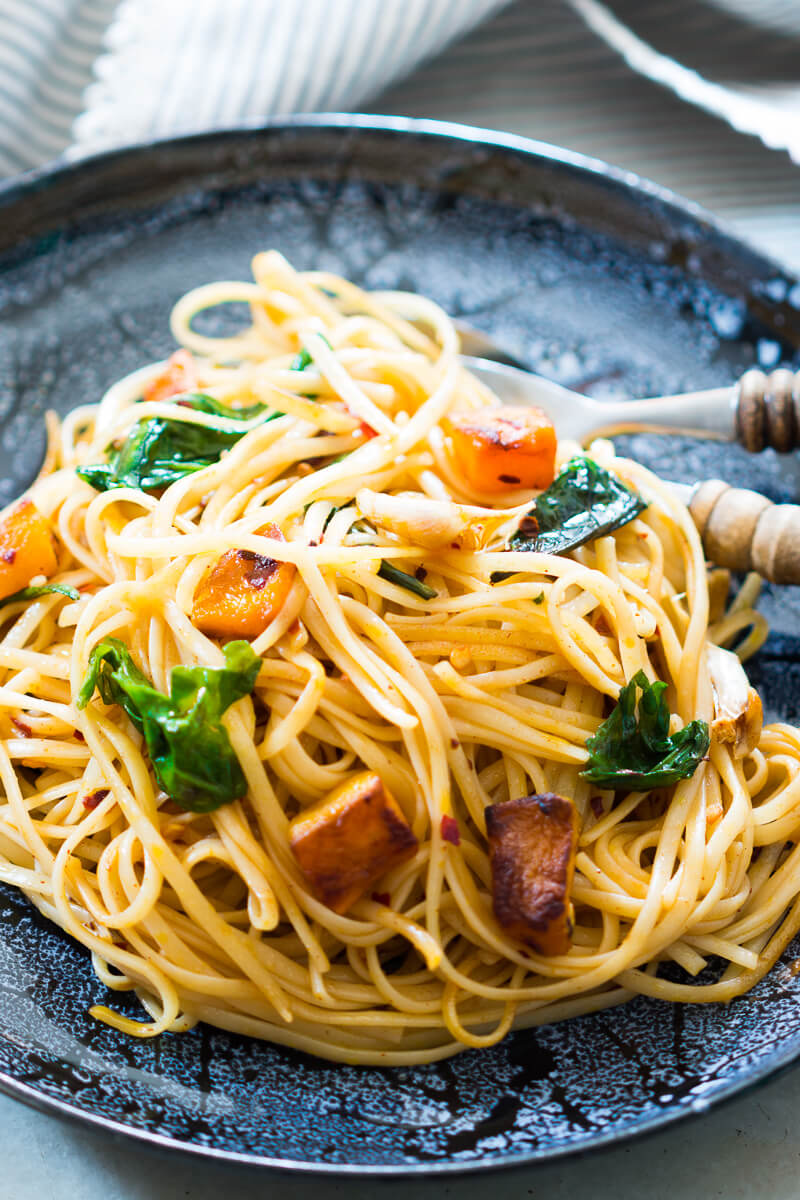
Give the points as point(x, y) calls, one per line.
point(592, 277)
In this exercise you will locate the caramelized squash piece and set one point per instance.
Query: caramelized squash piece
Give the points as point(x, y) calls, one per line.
point(532, 846)
point(27, 547)
point(350, 839)
point(242, 592)
point(502, 449)
point(179, 375)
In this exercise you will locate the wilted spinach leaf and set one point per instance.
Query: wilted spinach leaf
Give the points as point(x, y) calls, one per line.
point(200, 402)
point(159, 450)
point(633, 750)
point(41, 589)
point(188, 745)
point(301, 361)
point(583, 502)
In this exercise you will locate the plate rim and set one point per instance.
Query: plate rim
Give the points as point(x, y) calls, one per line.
point(192, 1151)
point(67, 166)
point(27, 185)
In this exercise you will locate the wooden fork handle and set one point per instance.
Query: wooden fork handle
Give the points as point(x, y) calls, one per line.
point(768, 410)
point(743, 530)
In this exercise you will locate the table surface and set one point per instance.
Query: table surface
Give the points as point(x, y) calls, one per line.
point(748, 1148)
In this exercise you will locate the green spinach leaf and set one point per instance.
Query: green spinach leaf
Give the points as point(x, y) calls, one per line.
point(304, 359)
point(41, 589)
point(158, 451)
point(301, 361)
point(200, 402)
point(583, 502)
point(633, 750)
point(188, 745)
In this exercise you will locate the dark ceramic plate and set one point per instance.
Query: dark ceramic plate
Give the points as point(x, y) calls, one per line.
point(590, 276)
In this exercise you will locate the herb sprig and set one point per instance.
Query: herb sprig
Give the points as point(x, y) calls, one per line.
point(393, 574)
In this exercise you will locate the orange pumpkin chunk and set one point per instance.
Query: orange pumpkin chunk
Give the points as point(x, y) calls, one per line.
point(501, 449)
point(242, 593)
point(532, 847)
point(27, 547)
point(350, 839)
point(179, 375)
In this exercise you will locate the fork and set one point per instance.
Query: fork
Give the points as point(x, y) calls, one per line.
point(759, 411)
point(740, 529)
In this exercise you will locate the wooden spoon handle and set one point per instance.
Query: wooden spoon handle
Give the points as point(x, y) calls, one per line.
point(768, 410)
point(759, 411)
point(746, 532)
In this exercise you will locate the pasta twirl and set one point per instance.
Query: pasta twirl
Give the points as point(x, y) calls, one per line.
point(303, 473)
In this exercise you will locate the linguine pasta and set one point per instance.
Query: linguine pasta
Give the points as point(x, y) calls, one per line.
point(465, 693)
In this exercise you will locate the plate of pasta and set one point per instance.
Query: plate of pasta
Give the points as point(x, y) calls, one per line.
point(383, 786)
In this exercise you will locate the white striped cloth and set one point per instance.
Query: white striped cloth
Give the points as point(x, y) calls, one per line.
point(48, 50)
point(90, 74)
point(593, 75)
point(200, 64)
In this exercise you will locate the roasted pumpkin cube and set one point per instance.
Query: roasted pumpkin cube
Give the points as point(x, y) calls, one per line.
point(532, 846)
point(242, 592)
point(179, 375)
point(350, 839)
point(27, 547)
point(501, 449)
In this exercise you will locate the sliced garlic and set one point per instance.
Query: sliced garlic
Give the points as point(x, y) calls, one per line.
point(644, 622)
point(737, 705)
point(434, 524)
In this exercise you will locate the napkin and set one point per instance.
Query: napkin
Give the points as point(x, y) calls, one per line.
point(83, 75)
